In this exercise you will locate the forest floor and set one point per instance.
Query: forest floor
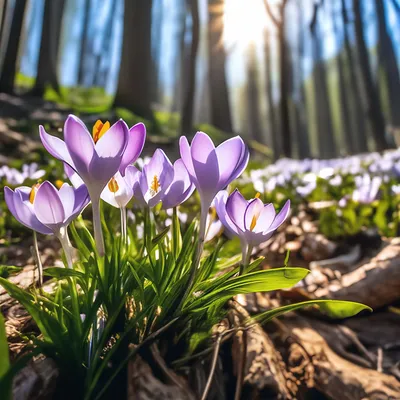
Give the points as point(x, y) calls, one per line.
point(303, 355)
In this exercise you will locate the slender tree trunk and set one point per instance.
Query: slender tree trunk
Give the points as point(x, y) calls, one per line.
point(220, 107)
point(253, 103)
point(3, 12)
point(49, 47)
point(388, 62)
point(274, 134)
point(85, 37)
point(134, 83)
point(301, 114)
point(343, 92)
point(190, 87)
point(375, 114)
point(326, 141)
point(355, 92)
point(9, 68)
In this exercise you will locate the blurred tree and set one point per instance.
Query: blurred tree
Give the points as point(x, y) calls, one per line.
point(253, 102)
point(388, 63)
point(326, 139)
point(283, 70)
point(375, 114)
point(49, 48)
point(301, 109)
point(3, 11)
point(134, 82)
point(273, 128)
point(358, 126)
point(345, 99)
point(220, 107)
point(84, 42)
point(190, 86)
point(9, 66)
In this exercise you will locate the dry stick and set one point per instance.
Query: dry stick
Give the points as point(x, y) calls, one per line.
point(212, 369)
point(379, 361)
point(242, 365)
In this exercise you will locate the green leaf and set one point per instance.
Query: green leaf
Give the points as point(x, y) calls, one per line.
point(61, 273)
point(334, 308)
point(4, 356)
point(157, 239)
point(7, 270)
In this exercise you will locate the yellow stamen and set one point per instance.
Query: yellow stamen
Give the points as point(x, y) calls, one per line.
point(253, 222)
point(113, 185)
point(59, 183)
point(155, 185)
point(32, 194)
point(257, 196)
point(213, 213)
point(99, 129)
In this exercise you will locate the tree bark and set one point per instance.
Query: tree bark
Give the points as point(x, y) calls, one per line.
point(9, 68)
point(375, 114)
point(326, 140)
point(49, 48)
point(357, 100)
point(219, 95)
point(388, 62)
point(84, 41)
point(273, 134)
point(285, 129)
point(189, 92)
point(134, 83)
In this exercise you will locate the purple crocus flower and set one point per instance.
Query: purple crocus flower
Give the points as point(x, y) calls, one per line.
point(48, 210)
point(180, 189)
point(253, 221)
point(153, 181)
point(96, 159)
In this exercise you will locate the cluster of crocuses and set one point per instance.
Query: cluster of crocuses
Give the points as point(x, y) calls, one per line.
point(100, 166)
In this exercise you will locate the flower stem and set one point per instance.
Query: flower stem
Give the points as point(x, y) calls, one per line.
point(66, 245)
point(36, 256)
point(98, 232)
point(123, 225)
point(246, 254)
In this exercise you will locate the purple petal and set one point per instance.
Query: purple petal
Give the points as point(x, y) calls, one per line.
point(137, 137)
point(48, 206)
point(80, 144)
point(67, 196)
point(56, 147)
point(220, 206)
point(73, 176)
point(265, 219)
point(19, 205)
point(236, 207)
point(280, 217)
point(205, 163)
point(253, 209)
point(229, 155)
point(186, 155)
point(242, 164)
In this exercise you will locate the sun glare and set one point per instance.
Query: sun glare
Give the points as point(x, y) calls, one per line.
point(244, 22)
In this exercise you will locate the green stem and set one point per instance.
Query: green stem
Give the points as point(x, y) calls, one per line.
point(246, 255)
point(36, 256)
point(123, 225)
point(98, 232)
point(66, 245)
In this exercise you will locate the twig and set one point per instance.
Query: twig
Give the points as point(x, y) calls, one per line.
point(241, 366)
point(379, 360)
point(212, 369)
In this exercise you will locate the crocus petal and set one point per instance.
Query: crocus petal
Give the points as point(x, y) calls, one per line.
point(56, 147)
point(122, 196)
point(187, 157)
point(280, 217)
point(137, 137)
point(229, 155)
point(19, 206)
point(205, 163)
point(67, 196)
point(73, 176)
point(265, 219)
point(220, 206)
point(79, 143)
point(236, 207)
point(253, 210)
point(48, 206)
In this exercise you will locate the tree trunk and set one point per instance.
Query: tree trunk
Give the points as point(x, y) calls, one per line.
point(343, 92)
point(49, 48)
point(358, 112)
point(134, 83)
point(85, 35)
point(3, 12)
point(388, 62)
point(9, 68)
point(253, 104)
point(274, 134)
point(375, 114)
point(301, 114)
point(326, 140)
point(220, 107)
point(190, 87)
